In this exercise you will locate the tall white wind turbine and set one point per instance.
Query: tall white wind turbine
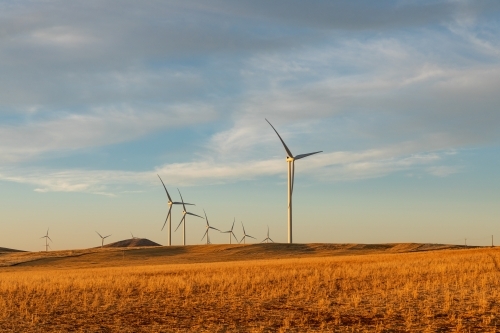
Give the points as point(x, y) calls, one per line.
point(184, 213)
point(208, 228)
point(268, 238)
point(102, 238)
point(230, 232)
point(169, 215)
point(290, 159)
point(47, 238)
point(245, 235)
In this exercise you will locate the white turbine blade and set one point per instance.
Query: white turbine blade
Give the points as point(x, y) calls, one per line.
point(49, 238)
point(183, 217)
point(242, 238)
point(182, 200)
point(250, 236)
point(106, 236)
point(99, 234)
point(214, 228)
point(169, 211)
point(234, 236)
point(271, 240)
point(206, 218)
point(180, 203)
point(201, 217)
point(168, 195)
point(283, 142)
point(233, 224)
point(244, 232)
point(298, 157)
point(205, 234)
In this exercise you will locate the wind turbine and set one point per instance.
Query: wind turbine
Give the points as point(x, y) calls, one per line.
point(133, 237)
point(184, 213)
point(102, 238)
point(290, 159)
point(208, 228)
point(47, 238)
point(245, 235)
point(230, 232)
point(169, 215)
point(267, 239)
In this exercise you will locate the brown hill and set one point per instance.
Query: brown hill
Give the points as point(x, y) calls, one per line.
point(145, 252)
point(4, 249)
point(133, 242)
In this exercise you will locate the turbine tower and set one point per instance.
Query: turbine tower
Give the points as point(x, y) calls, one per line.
point(169, 215)
point(184, 213)
point(208, 228)
point(230, 232)
point(47, 238)
point(102, 238)
point(267, 239)
point(290, 159)
point(245, 235)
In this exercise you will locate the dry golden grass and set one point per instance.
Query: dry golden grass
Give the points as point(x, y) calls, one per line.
point(438, 291)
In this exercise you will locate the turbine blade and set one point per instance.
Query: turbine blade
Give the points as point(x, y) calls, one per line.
point(182, 200)
point(206, 232)
point(168, 195)
point(169, 211)
point(214, 228)
point(233, 224)
point(201, 217)
point(298, 157)
point(283, 142)
point(271, 240)
point(242, 238)
point(234, 236)
point(49, 238)
point(243, 228)
point(183, 217)
point(251, 236)
point(206, 218)
point(99, 234)
point(180, 203)
point(107, 236)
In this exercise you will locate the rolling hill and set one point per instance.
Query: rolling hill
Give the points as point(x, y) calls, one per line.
point(133, 254)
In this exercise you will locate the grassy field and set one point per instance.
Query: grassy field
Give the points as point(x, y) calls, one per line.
point(222, 288)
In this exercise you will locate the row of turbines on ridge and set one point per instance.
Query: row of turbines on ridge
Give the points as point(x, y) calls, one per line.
point(290, 159)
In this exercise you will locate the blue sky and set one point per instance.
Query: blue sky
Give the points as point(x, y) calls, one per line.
point(97, 97)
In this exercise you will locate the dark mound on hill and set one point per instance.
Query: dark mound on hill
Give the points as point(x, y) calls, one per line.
point(133, 242)
point(3, 249)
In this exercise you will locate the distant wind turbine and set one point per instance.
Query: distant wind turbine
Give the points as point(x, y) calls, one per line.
point(267, 239)
point(245, 235)
point(133, 237)
point(230, 232)
point(169, 215)
point(184, 213)
point(47, 238)
point(102, 238)
point(208, 226)
point(290, 159)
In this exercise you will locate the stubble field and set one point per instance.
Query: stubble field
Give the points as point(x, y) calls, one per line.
point(456, 290)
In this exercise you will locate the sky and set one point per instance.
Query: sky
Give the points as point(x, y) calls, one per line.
point(98, 97)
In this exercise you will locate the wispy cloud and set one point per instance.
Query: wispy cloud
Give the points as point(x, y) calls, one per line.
point(335, 166)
